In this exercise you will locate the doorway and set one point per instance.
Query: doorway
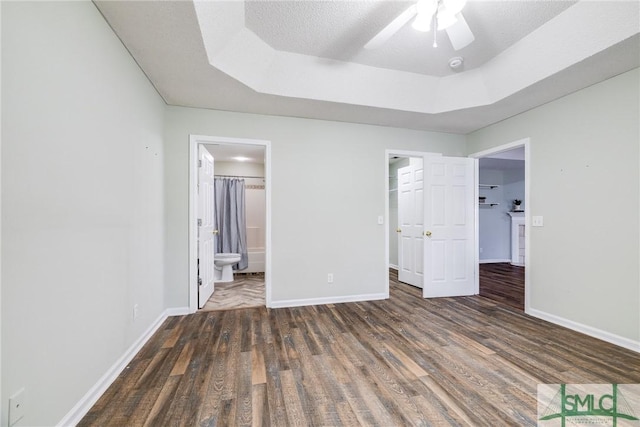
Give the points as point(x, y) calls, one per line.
point(246, 162)
point(503, 236)
point(436, 237)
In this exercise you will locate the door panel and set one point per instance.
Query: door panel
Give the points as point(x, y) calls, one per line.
point(206, 236)
point(411, 223)
point(449, 208)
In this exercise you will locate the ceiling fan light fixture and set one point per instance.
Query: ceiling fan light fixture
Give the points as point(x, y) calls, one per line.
point(445, 18)
point(422, 23)
point(426, 7)
point(424, 14)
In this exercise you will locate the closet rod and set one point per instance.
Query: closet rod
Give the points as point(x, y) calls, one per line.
point(238, 176)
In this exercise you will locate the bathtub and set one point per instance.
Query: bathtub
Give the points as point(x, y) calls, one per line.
point(255, 245)
point(256, 261)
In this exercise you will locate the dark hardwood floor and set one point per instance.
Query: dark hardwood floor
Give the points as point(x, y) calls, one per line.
point(503, 282)
point(402, 361)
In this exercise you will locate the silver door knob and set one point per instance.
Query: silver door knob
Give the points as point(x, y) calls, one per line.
point(427, 233)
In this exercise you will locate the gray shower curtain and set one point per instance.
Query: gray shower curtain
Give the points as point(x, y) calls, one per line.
point(230, 219)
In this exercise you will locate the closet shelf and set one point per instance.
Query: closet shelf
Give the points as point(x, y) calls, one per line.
point(490, 186)
point(488, 204)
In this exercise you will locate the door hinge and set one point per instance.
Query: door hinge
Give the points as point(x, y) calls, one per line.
point(199, 222)
point(199, 281)
point(199, 163)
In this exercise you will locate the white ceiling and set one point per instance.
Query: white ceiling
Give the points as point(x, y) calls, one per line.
point(305, 58)
point(513, 154)
point(315, 27)
point(230, 152)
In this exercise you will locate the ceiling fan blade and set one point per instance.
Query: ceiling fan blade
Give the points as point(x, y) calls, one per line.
point(459, 33)
point(392, 28)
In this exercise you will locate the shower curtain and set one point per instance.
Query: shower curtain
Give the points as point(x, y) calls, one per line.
point(230, 219)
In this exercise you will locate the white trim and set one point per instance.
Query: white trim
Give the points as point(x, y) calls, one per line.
point(177, 311)
point(587, 330)
point(328, 300)
point(194, 140)
point(2, 398)
point(493, 261)
point(83, 406)
point(476, 225)
point(526, 143)
point(393, 266)
point(501, 149)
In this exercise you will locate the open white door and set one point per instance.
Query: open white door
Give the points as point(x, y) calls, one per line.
point(449, 241)
point(206, 232)
point(411, 223)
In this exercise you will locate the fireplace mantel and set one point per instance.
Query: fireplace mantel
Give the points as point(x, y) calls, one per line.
point(517, 238)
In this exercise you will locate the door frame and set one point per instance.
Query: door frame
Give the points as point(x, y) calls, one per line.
point(388, 153)
point(194, 141)
point(526, 143)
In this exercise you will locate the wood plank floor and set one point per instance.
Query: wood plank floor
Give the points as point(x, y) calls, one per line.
point(503, 282)
point(246, 291)
point(403, 361)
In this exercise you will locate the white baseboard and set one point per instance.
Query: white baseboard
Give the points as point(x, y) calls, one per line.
point(393, 266)
point(492, 261)
point(327, 300)
point(81, 408)
point(177, 311)
point(587, 330)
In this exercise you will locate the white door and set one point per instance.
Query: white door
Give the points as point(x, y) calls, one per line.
point(449, 235)
point(411, 223)
point(206, 236)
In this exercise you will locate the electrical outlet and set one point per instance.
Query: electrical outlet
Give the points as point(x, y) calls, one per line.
point(135, 311)
point(480, 250)
point(16, 407)
point(330, 278)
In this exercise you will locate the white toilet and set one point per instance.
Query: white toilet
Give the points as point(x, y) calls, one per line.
point(224, 267)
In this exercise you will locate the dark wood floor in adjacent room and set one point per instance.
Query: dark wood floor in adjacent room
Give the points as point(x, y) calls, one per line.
point(402, 361)
point(503, 282)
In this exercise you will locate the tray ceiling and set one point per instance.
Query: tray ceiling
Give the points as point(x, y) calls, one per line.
point(306, 58)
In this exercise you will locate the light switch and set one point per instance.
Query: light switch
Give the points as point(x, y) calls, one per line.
point(537, 221)
point(380, 220)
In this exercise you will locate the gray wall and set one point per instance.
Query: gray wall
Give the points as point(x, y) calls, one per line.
point(82, 204)
point(494, 222)
point(585, 183)
point(87, 218)
point(328, 182)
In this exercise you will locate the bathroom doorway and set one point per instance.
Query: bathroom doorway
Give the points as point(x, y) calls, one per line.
point(243, 165)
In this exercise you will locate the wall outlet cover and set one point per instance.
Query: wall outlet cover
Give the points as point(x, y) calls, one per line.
point(16, 407)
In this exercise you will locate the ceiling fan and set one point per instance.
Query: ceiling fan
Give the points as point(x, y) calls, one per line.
point(437, 14)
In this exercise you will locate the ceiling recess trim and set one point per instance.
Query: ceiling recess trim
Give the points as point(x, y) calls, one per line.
point(238, 52)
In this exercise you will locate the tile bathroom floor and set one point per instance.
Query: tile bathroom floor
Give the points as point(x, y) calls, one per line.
point(246, 291)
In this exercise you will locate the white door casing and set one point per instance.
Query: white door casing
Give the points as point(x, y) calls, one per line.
point(206, 236)
point(449, 234)
point(411, 222)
